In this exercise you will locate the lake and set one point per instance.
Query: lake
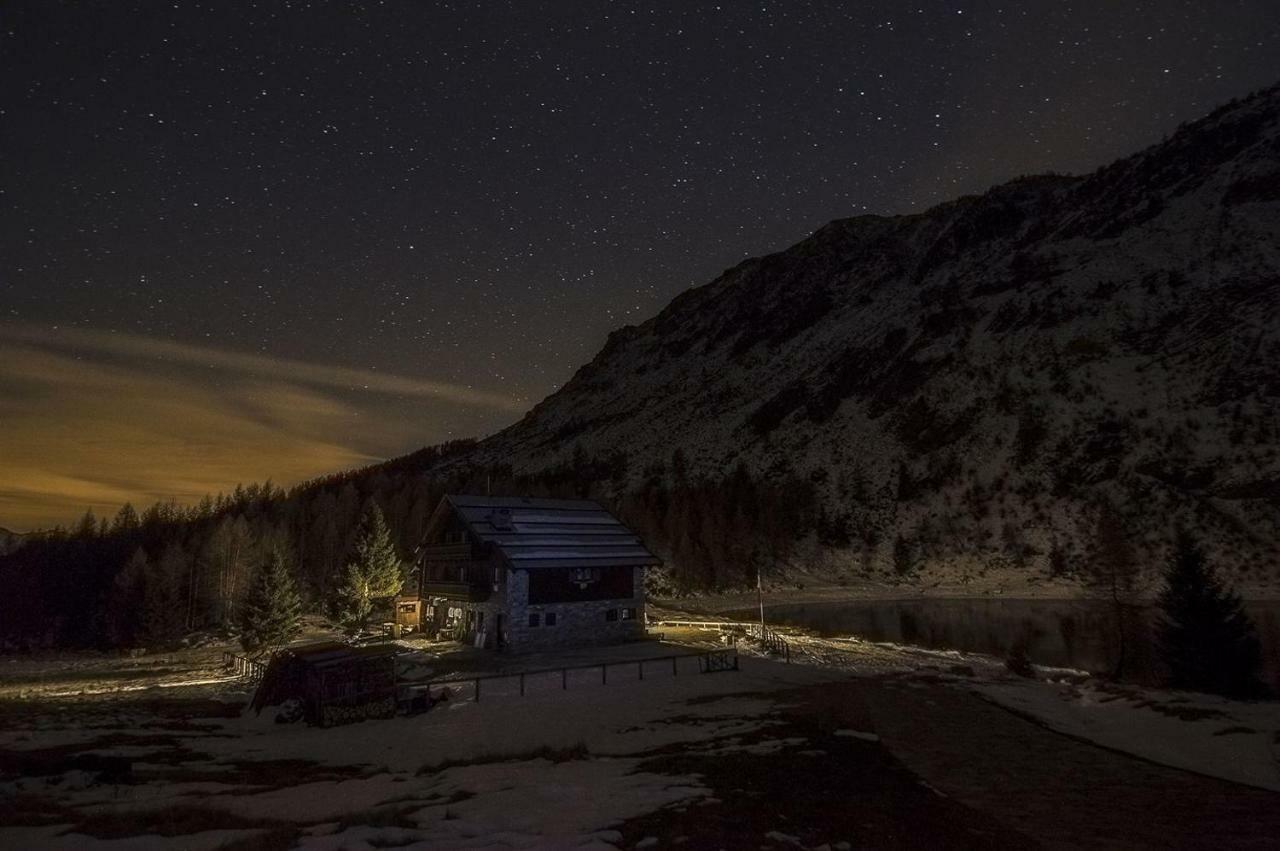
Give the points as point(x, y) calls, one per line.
point(1065, 633)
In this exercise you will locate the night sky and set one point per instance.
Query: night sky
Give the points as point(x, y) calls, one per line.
point(241, 241)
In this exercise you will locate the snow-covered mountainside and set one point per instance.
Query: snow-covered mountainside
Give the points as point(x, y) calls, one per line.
point(976, 378)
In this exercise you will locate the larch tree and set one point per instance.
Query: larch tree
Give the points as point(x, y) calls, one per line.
point(273, 608)
point(1113, 577)
point(375, 572)
point(126, 519)
point(163, 596)
point(125, 599)
point(1204, 637)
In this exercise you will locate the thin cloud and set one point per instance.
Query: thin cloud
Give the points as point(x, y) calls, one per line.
point(338, 377)
point(94, 420)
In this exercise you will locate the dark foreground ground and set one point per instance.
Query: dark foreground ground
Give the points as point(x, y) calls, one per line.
point(787, 759)
point(950, 770)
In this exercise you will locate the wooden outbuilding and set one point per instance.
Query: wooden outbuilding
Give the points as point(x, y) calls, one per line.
point(335, 683)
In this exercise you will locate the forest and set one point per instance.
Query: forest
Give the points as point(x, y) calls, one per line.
point(147, 578)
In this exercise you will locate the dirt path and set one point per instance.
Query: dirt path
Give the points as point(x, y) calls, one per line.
point(1066, 793)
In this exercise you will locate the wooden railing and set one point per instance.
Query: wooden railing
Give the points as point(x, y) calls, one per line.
point(770, 640)
point(474, 592)
point(709, 662)
point(243, 666)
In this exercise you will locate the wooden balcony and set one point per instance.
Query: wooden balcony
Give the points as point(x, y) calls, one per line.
point(446, 552)
point(465, 591)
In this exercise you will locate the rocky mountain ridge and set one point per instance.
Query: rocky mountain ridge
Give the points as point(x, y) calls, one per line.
point(967, 385)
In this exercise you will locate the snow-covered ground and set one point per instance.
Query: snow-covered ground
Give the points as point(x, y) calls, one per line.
point(551, 769)
point(555, 768)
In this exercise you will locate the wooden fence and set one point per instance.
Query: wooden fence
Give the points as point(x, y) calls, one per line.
point(769, 639)
point(708, 663)
point(243, 666)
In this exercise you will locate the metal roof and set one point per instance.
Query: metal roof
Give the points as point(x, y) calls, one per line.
point(532, 533)
point(324, 654)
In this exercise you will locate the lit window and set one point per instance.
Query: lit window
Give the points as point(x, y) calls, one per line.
point(628, 614)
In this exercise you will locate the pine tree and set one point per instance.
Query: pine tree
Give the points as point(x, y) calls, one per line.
point(376, 572)
point(273, 608)
point(1205, 639)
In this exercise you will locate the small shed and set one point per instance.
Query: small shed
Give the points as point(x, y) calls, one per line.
point(408, 612)
point(336, 683)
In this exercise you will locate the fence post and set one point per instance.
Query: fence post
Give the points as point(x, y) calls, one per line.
point(641, 669)
point(477, 689)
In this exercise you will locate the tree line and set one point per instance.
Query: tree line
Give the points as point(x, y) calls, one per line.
point(251, 562)
point(145, 579)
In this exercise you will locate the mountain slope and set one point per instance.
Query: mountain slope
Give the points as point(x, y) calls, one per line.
point(975, 379)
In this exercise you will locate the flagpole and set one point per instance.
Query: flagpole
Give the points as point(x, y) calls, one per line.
point(760, 598)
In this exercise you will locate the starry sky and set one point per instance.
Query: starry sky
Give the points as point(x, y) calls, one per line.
point(249, 240)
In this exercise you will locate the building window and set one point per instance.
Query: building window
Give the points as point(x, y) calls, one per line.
point(551, 619)
point(534, 618)
point(628, 614)
point(611, 615)
point(408, 608)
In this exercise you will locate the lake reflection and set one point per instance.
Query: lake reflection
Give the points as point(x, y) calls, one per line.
point(1065, 633)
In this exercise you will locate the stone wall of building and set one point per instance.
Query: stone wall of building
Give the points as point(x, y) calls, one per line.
point(577, 624)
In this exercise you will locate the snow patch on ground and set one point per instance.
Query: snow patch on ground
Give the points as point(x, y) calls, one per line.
point(1231, 739)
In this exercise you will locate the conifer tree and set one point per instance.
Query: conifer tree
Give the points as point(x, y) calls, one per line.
point(1113, 577)
point(88, 526)
point(163, 601)
point(124, 600)
point(273, 608)
point(375, 572)
point(1205, 639)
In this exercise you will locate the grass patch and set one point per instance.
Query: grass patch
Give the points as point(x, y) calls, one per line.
point(829, 790)
point(177, 820)
point(256, 775)
point(28, 810)
point(1182, 713)
point(273, 839)
point(557, 755)
point(380, 816)
point(71, 677)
